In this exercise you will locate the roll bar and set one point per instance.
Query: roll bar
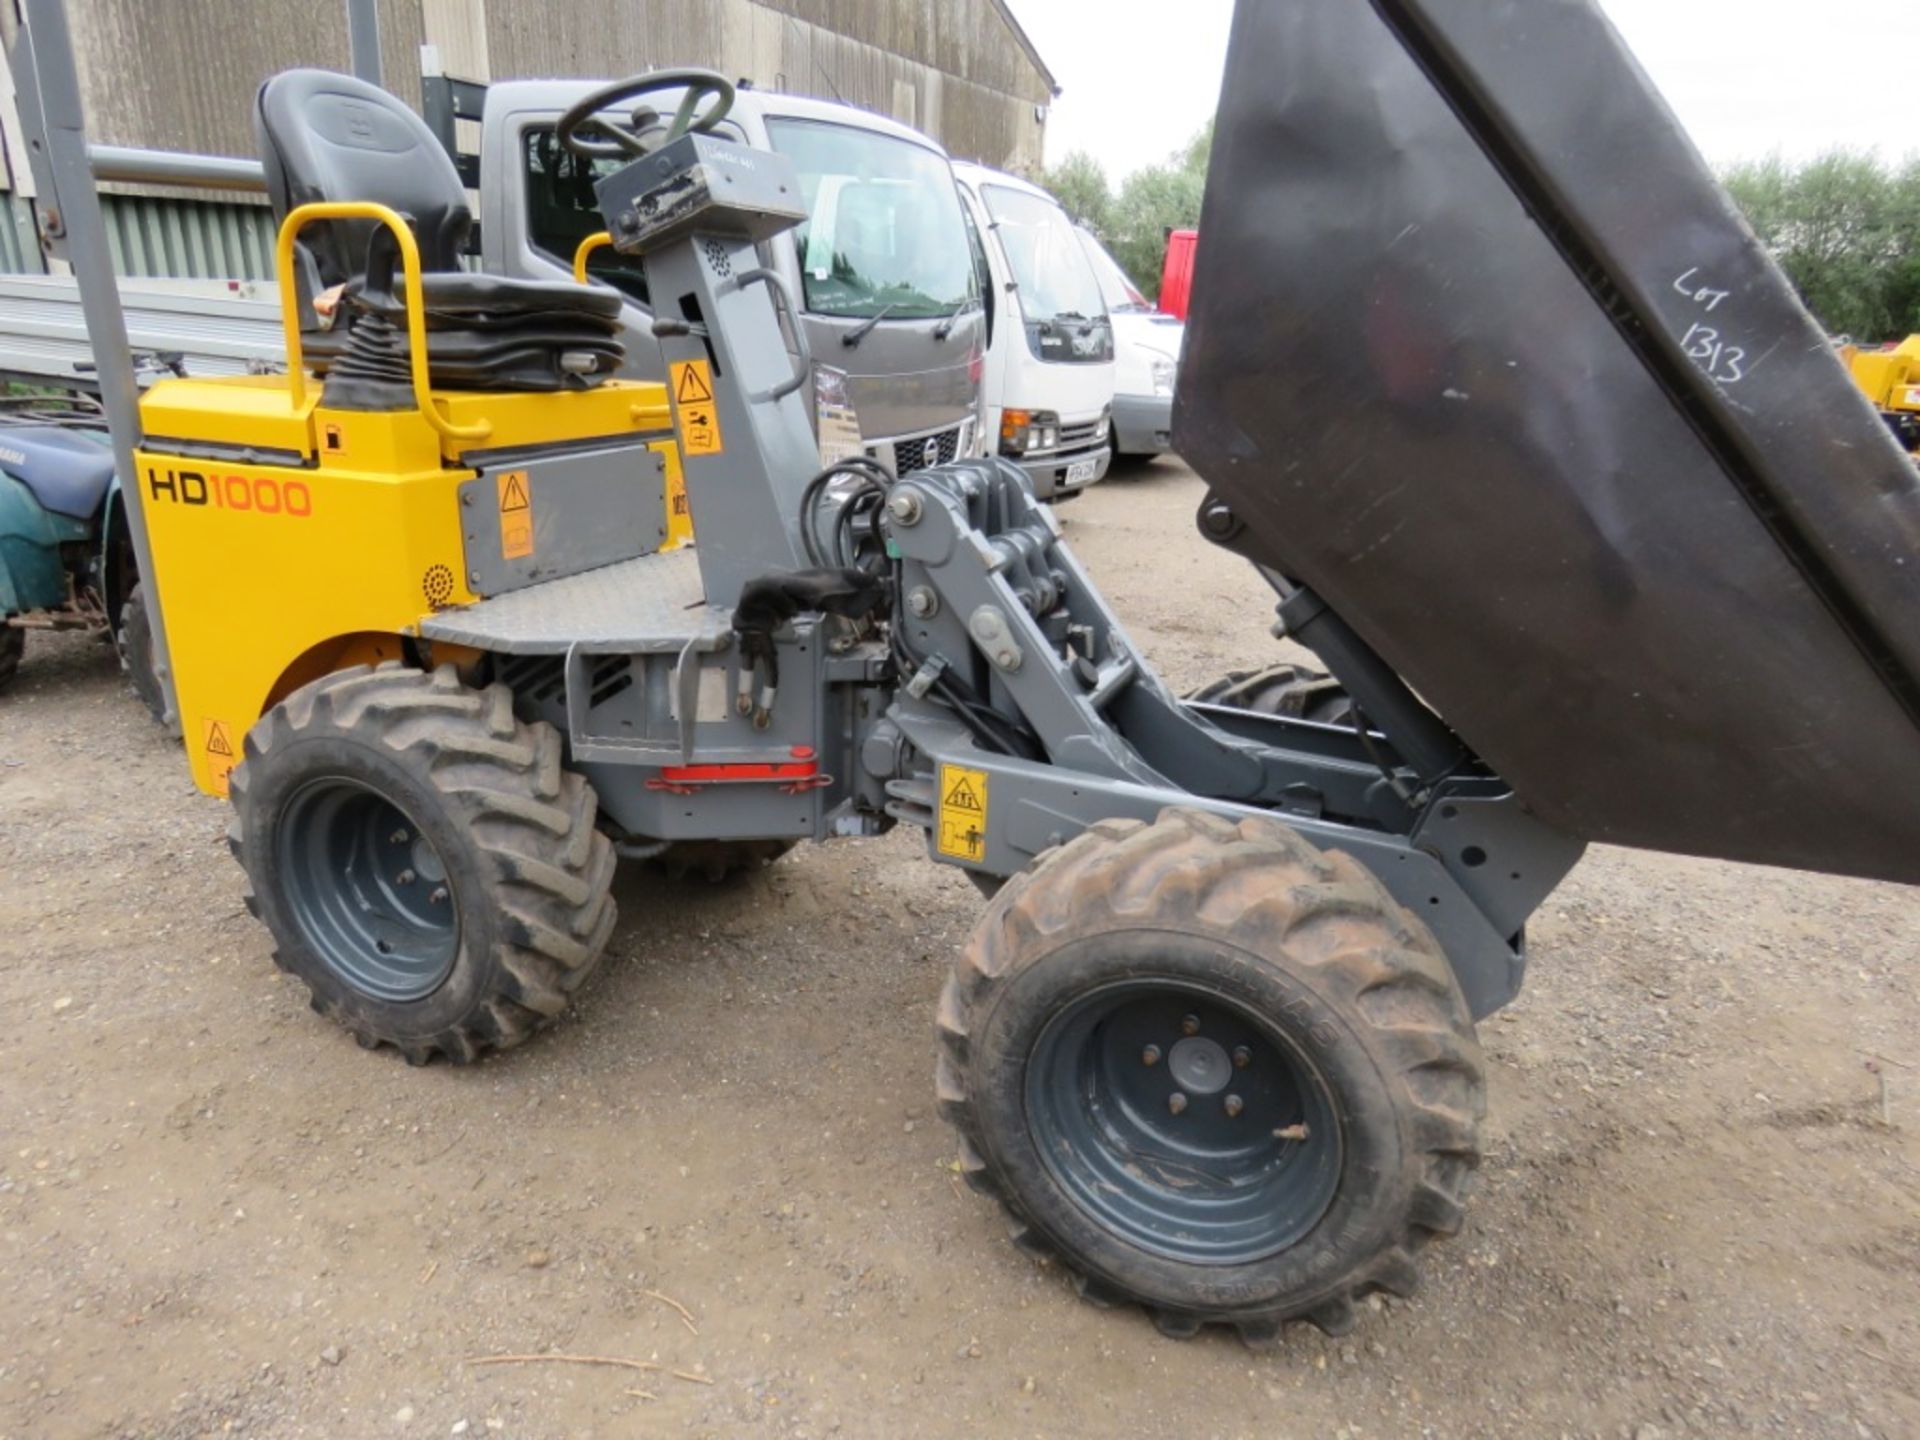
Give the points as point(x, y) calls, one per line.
point(596, 241)
point(290, 228)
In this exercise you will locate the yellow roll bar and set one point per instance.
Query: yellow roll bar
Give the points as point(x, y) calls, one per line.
point(290, 229)
point(587, 246)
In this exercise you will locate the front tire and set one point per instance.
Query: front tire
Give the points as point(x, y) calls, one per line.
point(1215, 1071)
point(426, 866)
point(13, 645)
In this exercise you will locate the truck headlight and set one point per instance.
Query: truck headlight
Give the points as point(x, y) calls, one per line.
point(1163, 371)
point(1024, 430)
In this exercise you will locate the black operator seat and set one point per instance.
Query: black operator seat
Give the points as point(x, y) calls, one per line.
point(329, 137)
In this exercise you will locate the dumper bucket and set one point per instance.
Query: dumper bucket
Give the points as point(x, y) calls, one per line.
point(1481, 353)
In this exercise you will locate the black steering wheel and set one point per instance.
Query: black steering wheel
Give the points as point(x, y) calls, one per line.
point(625, 142)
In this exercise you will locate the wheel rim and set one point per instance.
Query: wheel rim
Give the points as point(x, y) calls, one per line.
point(368, 890)
point(1155, 1106)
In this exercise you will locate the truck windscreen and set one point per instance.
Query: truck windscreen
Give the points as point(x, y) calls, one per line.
point(1121, 294)
point(884, 232)
point(1044, 254)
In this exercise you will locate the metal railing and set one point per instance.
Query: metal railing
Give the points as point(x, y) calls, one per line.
point(173, 167)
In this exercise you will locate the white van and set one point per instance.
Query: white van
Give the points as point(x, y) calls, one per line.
point(1047, 391)
point(1146, 342)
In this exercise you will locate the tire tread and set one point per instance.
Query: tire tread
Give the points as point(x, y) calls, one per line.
point(547, 868)
point(1192, 869)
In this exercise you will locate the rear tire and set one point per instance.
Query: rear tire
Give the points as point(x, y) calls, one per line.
point(1298, 692)
point(13, 645)
point(426, 866)
point(1329, 1085)
point(715, 860)
point(133, 642)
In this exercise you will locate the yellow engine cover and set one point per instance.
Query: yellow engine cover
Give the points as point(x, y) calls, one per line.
point(288, 541)
point(1887, 376)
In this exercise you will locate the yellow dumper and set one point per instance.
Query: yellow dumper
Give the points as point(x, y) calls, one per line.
point(1890, 376)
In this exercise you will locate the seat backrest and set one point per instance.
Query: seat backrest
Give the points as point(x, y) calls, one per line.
point(326, 136)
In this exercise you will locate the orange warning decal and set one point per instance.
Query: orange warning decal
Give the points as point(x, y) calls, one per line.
point(221, 753)
point(516, 515)
point(692, 383)
point(962, 822)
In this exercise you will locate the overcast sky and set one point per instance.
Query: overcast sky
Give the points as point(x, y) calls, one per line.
point(1748, 77)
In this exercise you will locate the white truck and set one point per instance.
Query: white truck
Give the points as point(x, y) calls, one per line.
point(1048, 398)
point(1146, 346)
point(884, 268)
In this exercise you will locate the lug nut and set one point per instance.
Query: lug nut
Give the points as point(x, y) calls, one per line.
point(1176, 1102)
point(1190, 1025)
point(439, 896)
point(1150, 1055)
point(405, 877)
point(1234, 1106)
point(398, 837)
point(1242, 1057)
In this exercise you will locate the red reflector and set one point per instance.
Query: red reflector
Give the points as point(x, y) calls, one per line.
point(707, 774)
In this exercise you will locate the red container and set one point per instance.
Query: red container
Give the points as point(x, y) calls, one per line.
point(1176, 272)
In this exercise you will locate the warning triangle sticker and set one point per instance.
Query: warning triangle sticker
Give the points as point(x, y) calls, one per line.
point(217, 740)
point(516, 494)
point(962, 796)
point(693, 387)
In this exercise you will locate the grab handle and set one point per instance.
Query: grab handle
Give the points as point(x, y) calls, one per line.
point(304, 215)
point(598, 240)
point(783, 299)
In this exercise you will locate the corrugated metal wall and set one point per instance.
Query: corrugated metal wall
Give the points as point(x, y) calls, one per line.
point(181, 75)
point(950, 67)
point(19, 254)
point(157, 237)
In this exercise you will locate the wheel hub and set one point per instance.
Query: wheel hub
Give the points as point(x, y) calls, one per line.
point(424, 860)
point(367, 890)
point(1188, 1123)
point(1200, 1066)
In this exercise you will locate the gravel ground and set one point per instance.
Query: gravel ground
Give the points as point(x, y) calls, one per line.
point(1699, 1214)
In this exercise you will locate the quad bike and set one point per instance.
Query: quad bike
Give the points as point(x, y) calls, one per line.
point(66, 556)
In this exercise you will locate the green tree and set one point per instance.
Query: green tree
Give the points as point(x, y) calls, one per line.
point(1133, 222)
point(1846, 230)
point(1080, 185)
point(1198, 151)
point(1153, 201)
